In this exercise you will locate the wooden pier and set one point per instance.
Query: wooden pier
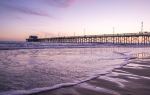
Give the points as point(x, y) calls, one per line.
point(126, 38)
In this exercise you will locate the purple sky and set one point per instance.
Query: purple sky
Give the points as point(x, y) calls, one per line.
point(48, 18)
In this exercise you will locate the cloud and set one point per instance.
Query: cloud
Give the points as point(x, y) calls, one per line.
point(60, 3)
point(25, 10)
point(18, 6)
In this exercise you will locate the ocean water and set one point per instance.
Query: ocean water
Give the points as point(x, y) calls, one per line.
point(24, 70)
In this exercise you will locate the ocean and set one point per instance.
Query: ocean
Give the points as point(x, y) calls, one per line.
point(27, 68)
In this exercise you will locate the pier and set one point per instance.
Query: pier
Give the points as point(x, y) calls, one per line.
point(122, 39)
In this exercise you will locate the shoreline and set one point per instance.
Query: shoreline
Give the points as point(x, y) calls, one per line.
point(102, 83)
point(131, 79)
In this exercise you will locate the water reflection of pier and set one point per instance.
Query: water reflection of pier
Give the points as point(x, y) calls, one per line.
point(142, 55)
point(128, 38)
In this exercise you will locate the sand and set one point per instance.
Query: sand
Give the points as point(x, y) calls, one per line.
point(132, 79)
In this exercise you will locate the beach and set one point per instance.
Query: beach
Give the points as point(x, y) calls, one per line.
point(101, 70)
point(131, 79)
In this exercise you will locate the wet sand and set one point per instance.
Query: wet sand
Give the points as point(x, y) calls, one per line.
point(132, 79)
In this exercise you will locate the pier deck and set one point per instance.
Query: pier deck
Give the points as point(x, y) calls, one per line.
point(126, 38)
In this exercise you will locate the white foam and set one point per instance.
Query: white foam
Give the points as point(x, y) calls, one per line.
point(37, 90)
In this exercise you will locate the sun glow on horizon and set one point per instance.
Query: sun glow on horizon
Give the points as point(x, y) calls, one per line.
point(51, 18)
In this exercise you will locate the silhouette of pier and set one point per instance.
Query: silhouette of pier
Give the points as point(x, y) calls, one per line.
point(125, 38)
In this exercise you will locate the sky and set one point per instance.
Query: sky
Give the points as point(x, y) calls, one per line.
point(51, 18)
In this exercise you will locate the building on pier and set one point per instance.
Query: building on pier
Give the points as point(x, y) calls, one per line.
point(32, 39)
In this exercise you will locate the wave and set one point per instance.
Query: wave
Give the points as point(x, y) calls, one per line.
point(38, 45)
point(127, 57)
point(43, 45)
